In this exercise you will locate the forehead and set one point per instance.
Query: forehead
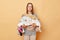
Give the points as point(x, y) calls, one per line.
point(29, 5)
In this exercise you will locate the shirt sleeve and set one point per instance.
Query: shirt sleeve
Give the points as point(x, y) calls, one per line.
point(21, 21)
point(24, 20)
point(38, 23)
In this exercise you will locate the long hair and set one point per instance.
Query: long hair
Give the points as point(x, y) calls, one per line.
point(27, 8)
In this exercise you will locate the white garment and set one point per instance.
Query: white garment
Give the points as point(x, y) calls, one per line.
point(27, 21)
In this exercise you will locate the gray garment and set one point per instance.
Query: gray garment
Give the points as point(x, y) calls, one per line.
point(29, 37)
point(27, 32)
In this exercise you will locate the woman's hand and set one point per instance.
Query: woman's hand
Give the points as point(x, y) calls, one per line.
point(34, 25)
point(37, 29)
point(24, 26)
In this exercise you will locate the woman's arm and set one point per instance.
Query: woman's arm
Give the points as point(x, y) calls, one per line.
point(21, 23)
point(21, 20)
point(38, 24)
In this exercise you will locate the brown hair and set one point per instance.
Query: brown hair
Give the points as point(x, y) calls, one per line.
point(27, 8)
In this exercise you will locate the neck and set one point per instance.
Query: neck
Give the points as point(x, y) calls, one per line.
point(29, 12)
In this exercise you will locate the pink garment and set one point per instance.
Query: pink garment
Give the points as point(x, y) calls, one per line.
point(20, 29)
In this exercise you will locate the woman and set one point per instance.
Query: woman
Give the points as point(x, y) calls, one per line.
point(30, 23)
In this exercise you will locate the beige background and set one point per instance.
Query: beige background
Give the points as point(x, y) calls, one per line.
point(48, 12)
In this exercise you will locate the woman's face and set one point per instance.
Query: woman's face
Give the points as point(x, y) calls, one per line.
point(29, 8)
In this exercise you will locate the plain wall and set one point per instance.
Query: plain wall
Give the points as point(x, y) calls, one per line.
point(48, 12)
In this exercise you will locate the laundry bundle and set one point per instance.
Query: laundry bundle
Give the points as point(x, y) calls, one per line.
point(28, 20)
